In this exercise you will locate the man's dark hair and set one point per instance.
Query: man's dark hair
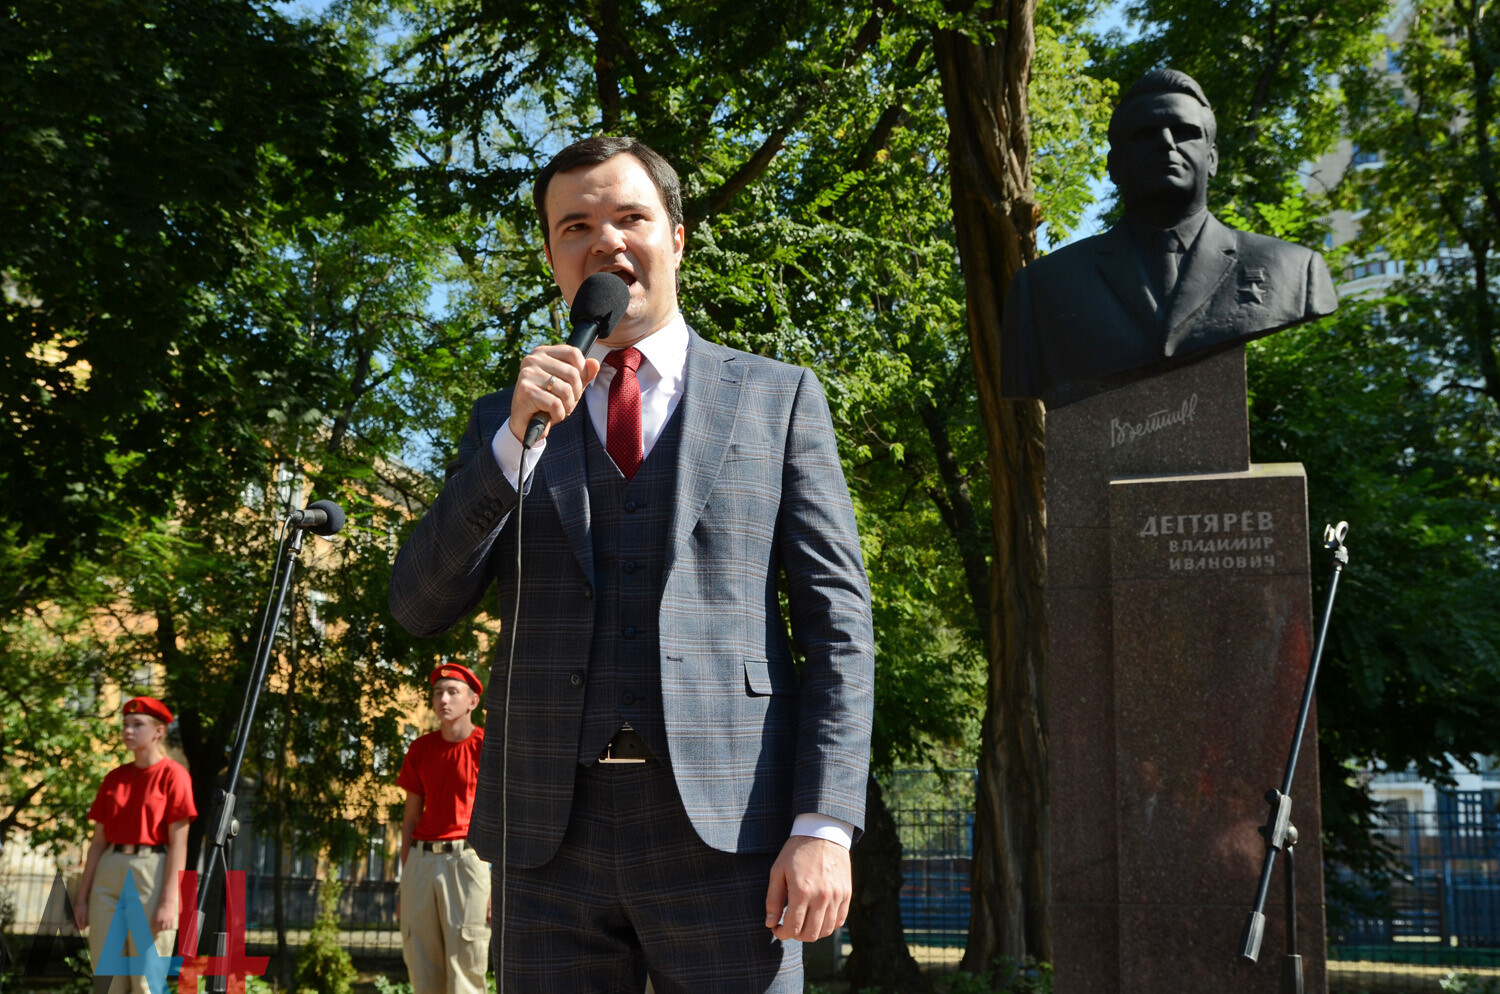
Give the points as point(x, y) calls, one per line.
point(602, 148)
point(1168, 81)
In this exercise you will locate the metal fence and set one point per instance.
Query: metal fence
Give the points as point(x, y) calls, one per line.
point(1442, 912)
point(1444, 891)
point(934, 815)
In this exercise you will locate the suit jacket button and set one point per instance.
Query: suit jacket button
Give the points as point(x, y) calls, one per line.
point(629, 632)
point(631, 505)
point(575, 679)
point(629, 566)
point(627, 698)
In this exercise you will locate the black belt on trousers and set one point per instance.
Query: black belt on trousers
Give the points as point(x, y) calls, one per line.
point(446, 845)
point(131, 850)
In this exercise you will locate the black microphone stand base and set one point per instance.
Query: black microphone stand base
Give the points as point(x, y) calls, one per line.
point(1291, 974)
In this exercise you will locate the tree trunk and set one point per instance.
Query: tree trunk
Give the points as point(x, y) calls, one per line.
point(995, 215)
point(879, 957)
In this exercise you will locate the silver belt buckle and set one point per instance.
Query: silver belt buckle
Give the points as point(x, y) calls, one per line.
point(608, 755)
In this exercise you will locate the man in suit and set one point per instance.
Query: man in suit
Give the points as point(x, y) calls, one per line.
point(1169, 284)
point(679, 798)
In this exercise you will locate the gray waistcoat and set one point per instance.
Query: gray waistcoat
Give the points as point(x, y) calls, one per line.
point(629, 522)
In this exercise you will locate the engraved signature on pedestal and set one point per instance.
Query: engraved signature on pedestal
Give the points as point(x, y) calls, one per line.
point(1124, 432)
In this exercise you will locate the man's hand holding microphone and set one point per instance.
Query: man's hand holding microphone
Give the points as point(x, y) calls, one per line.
point(553, 377)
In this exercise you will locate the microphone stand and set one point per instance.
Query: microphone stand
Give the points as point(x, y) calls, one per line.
point(225, 826)
point(1279, 832)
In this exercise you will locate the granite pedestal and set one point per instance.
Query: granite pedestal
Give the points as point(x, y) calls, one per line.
point(1180, 621)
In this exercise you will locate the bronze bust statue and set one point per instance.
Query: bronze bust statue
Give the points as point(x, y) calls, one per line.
point(1169, 284)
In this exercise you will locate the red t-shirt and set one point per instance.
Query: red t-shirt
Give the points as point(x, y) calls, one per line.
point(444, 773)
point(135, 806)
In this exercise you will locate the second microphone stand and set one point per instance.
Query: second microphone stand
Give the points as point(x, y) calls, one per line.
point(1279, 832)
point(322, 518)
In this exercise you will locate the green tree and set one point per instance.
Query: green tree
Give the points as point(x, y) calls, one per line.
point(986, 57)
point(1428, 109)
point(1412, 669)
point(324, 967)
point(147, 141)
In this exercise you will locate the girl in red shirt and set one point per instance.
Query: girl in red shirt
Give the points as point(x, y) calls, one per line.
point(143, 809)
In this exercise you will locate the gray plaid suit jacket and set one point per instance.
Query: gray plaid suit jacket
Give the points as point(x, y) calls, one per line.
point(760, 491)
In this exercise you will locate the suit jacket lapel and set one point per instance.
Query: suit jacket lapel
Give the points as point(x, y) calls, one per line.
point(566, 475)
point(710, 404)
point(1120, 264)
point(1205, 266)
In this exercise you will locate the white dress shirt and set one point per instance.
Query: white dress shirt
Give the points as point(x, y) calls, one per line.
point(661, 373)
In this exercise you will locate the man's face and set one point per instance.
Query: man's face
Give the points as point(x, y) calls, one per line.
point(453, 699)
point(609, 218)
point(1159, 153)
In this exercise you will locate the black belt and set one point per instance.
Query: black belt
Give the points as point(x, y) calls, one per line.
point(625, 747)
point(131, 850)
point(447, 845)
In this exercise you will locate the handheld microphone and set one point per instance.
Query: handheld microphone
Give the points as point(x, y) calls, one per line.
point(597, 308)
point(321, 517)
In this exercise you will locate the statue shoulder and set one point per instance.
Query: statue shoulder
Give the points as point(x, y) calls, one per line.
point(1072, 260)
point(1265, 250)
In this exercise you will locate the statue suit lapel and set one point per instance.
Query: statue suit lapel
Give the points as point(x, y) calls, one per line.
point(710, 404)
point(1120, 264)
point(1204, 268)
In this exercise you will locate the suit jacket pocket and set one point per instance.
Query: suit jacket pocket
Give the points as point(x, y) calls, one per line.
point(763, 677)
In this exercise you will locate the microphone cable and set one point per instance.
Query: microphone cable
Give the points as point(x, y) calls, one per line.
point(510, 669)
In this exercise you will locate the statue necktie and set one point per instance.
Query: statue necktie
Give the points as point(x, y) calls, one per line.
point(1166, 256)
point(623, 425)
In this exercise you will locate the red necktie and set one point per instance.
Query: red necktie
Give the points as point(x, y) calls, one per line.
point(623, 426)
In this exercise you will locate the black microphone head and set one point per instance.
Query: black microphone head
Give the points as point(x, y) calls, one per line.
point(602, 299)
point(335, 517)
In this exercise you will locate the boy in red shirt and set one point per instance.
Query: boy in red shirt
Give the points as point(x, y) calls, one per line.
point(445, 886)
point(143, 809)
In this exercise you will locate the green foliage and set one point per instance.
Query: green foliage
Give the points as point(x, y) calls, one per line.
point(147, 141)
point(254, 984)
point(323, 966)
point(1412, 670)
point(384, 985)
point(1469, 983)
point(1428, 111)
point(1007, 977)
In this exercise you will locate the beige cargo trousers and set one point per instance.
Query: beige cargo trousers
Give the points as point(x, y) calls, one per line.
point(445, 935)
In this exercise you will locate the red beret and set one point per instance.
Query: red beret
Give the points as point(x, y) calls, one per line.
point(150, 706)
point(453, 671)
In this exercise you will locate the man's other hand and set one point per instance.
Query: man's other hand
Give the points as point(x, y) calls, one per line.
point(811, 885)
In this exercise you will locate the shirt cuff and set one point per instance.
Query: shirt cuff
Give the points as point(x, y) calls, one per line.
point(823, 827)
point(507, 450)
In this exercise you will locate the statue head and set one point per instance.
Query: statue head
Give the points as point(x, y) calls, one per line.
point(1161, 147)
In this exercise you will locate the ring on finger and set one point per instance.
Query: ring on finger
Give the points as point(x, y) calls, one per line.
point(548, 385)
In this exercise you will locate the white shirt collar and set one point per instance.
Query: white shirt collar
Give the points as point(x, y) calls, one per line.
point(665, 349)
